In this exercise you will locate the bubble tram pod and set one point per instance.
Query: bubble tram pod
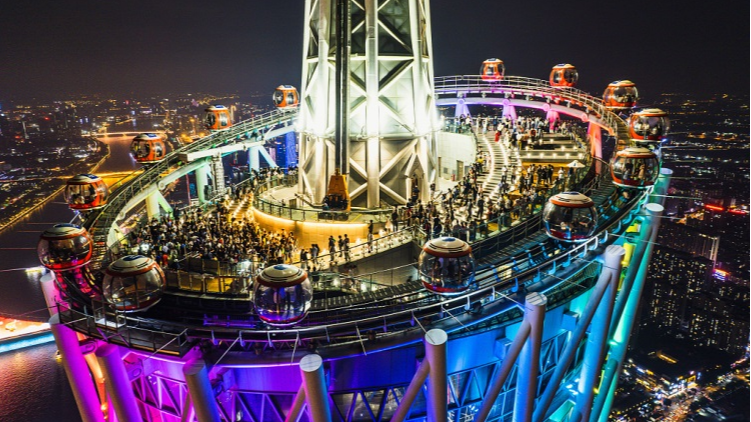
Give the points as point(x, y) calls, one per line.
point(65, 247)
point(282, 295)
point(634, 168)
point(85, 192)
point(620, 95)
point(570, 217)
point(447, 266)
point(285, 97)
point(650, 124)
point(148, 148)
point(563, 75)
point(492, 70)
point(217, 117)
point(133, 283)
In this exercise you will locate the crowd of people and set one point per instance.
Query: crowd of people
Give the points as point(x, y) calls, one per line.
point(464, 211)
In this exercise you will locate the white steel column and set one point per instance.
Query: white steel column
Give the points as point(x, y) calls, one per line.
point(78, 373)
point(201, 393)
point(316, 391)
point(567, 356)
point(433, 365)
point(508, 362)
point(435, 353)
point(117, 384)
point(217, 166)
point(152, 205)
point(202, 179)
point(529, 360)
point(596, 345)
point(51, 295)
point(373, 151)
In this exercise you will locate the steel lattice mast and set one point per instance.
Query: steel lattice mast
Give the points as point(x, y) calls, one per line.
point(367, 103)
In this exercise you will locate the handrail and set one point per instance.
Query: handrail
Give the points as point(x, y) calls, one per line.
point(531, 86)
point(302, 213)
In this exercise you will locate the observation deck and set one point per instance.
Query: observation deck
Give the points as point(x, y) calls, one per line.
point(213, 304)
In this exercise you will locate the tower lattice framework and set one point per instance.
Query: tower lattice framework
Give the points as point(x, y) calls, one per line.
point(367, 103)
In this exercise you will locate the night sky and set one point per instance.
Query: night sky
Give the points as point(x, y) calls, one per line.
point(52, 49)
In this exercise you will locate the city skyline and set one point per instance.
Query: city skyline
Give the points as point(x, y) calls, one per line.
point(161, 47)
point(547, 255)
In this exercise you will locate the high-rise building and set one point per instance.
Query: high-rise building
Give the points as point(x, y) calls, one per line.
point(5, 130)
point(717, 317)
point(674, 276)
point(689, 239)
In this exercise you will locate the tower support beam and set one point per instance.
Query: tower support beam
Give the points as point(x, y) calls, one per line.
point(117, 383)
point(367, 94)
point(316, 392)
point(414, 387)
point(201, 393)
point(597, 340)
point(594, 136)
point(612, 268)
point(78, 373)
point(202, 180)
point(529, 361)
point(509, 111)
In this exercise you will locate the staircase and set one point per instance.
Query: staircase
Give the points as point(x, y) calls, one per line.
point(500, 156)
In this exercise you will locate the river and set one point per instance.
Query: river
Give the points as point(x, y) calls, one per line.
point(34, 386)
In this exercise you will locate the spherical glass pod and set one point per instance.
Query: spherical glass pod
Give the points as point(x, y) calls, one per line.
point(563, 75)
point(620, 94)
point(492, 70)
point(86, 192)
point(651, 124)
point(133, 283)
point(635, 168)
point(570, 217)
point(285, 96)
point(65, 247)
point(148, 148)
point(217, 117)
point(447, 266)
point(282, 295)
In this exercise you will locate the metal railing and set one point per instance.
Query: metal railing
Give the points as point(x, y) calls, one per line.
point(118, 328)
point(401, 313)
point(517, 85)
point(269, 205)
